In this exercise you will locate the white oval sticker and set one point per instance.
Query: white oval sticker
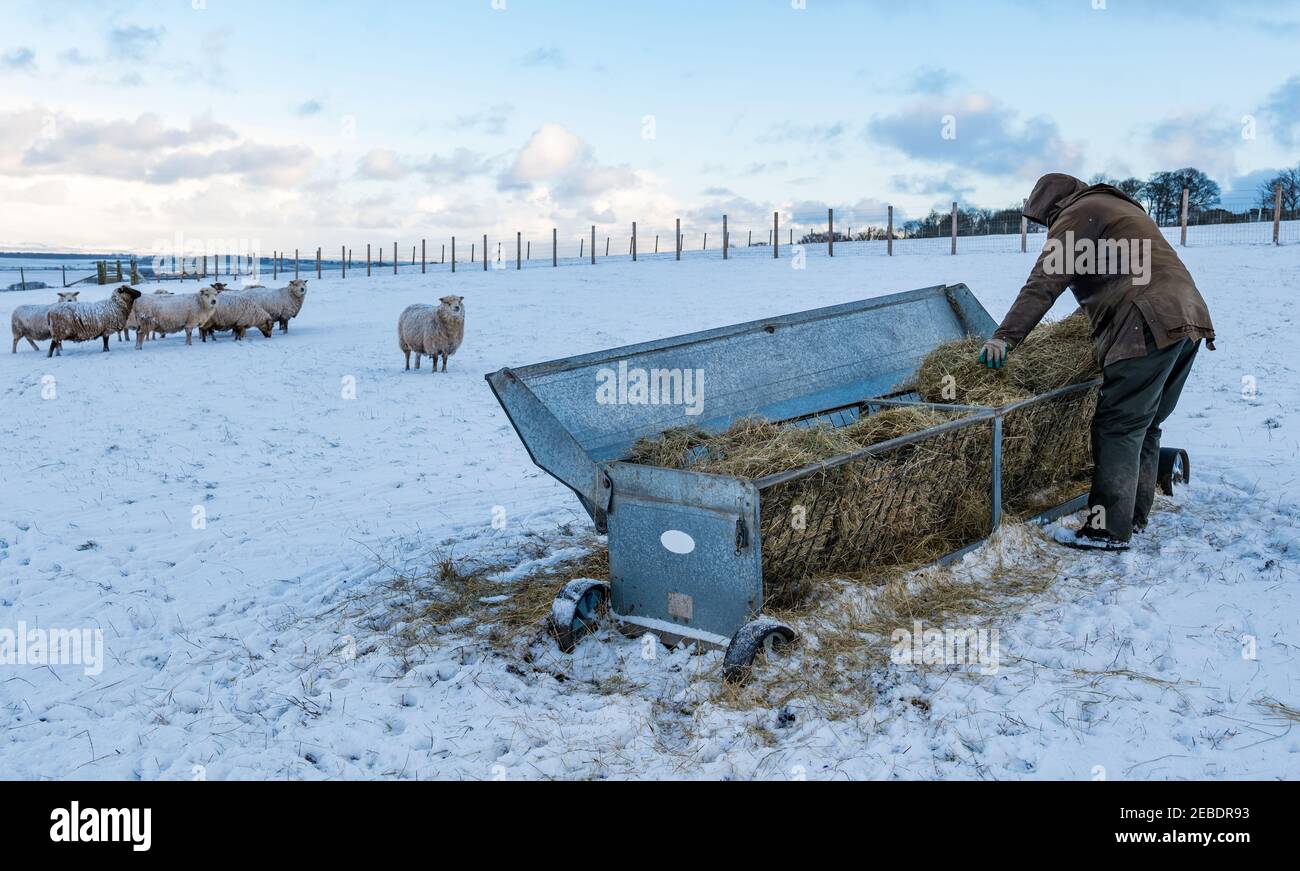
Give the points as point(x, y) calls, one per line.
point(677, 541)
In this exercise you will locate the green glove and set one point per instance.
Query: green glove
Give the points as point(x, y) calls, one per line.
point(994, 353)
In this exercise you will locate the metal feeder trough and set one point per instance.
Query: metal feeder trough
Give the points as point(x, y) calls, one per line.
point(687, 555)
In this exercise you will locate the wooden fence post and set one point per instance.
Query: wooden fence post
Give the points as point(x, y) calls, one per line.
point(656, 243)
point(394, 258)
point(555, 247)
point(343, 261)
point(954, 227)
point(679, 238)
point(889, 234)
point(485, 254)
point(519, 250)
point(830, 232)
point(776, 235)
point(593, 244)
point(318, 264)
point(705, 247)
point(1182, 236)
point(295, 264)
point(1024, 229)
point(368, 273)
point(634, 241)
point(453, 253)
point(1277, 213)
point(606, 246)
point(726, 239)
point(422, 257)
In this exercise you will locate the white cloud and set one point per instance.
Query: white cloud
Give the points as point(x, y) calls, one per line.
point(381, 164)
point(551, 151)
point(1203, 140)
point(36, 143)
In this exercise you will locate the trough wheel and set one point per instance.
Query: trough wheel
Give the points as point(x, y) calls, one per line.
point(763, 635)
point(1175, 468)
point(576, 609)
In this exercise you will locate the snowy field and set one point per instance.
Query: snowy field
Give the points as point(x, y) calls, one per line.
point(230, 651)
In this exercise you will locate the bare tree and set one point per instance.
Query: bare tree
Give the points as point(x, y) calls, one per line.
point(1289, 179)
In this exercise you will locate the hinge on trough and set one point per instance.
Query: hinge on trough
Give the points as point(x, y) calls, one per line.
point(742, 535)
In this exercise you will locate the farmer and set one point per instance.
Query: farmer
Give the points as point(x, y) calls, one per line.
point(1148, 320)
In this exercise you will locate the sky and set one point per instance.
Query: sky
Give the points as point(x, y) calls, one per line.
point(194, 123)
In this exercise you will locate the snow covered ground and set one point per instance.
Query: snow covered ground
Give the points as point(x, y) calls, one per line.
point(210, 508)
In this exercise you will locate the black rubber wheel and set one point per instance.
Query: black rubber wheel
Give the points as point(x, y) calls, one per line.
point(763, 635)
point(576, 611)
point(1175, 468)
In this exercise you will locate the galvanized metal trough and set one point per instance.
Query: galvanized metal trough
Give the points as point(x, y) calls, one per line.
point(687, 549)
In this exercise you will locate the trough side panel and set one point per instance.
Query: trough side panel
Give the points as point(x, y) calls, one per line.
point(683, 549)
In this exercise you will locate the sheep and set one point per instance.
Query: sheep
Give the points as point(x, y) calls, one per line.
point(237, 312)
point(433, 331)
point(171, 314)
point(282, 304)
point(132, 323)
point(29, 321)
point(84, 321)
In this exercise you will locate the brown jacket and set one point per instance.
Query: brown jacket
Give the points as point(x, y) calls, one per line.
point(1103, 246)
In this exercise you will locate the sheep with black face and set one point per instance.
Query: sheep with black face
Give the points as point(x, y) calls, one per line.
point(86, 321)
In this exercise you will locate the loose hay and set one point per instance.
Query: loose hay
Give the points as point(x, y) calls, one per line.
point(913, 503)
point(1045, 445)
point(902, 506)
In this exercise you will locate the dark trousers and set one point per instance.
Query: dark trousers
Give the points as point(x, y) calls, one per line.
point(1136, 397)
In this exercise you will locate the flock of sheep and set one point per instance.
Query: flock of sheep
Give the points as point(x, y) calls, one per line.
point(211, 310)
point(426, 330)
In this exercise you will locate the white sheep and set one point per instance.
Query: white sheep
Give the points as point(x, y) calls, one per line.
point(173, 313)
point(29, 321)
point(237, 312)
point(132, 323)
point(282, 304)
point(433, 331)
point(85, 321)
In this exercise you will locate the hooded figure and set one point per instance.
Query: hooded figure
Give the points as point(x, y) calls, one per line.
point(1148, 320)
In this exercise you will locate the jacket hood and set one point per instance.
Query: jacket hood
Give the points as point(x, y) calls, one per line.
point(1050, 195)
point(1056, 190)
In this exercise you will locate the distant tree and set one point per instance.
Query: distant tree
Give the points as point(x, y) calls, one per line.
point(1163, 193)
point(1131, 186)
point(1289, 179)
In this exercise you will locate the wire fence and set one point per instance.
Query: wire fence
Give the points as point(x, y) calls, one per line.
point(1231, 221)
